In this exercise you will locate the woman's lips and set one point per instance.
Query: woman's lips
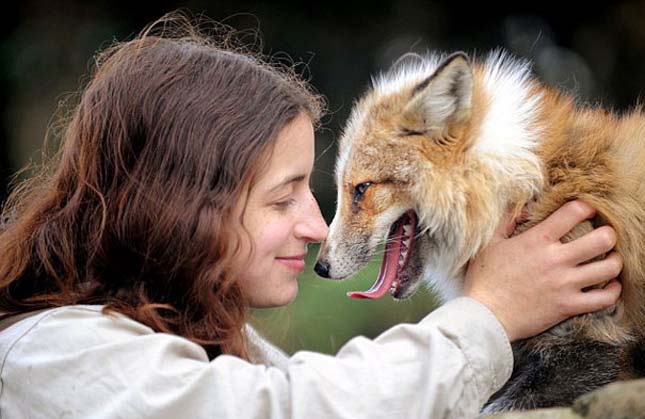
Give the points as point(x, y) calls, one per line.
point(297, 263)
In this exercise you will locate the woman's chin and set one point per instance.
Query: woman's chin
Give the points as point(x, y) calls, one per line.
point(276, 296)
point(289, 295)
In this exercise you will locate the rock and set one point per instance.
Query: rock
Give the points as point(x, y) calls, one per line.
point(557, 413)
point(619, 400)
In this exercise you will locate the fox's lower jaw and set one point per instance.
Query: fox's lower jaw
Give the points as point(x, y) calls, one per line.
point(400, 270)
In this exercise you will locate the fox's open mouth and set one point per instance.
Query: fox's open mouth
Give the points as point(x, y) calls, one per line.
point(396, 256)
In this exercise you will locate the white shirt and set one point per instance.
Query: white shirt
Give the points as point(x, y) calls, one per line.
point(74, 362)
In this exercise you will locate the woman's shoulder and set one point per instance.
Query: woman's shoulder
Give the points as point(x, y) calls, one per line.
point(81, 362)
point(80, 330)
point(66, 322)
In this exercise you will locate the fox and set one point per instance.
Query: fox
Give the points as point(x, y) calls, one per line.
point(431, 158)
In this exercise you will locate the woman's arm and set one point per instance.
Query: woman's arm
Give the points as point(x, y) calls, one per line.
point(76, 362)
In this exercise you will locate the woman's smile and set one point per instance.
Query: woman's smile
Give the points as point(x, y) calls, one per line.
point(296, 262)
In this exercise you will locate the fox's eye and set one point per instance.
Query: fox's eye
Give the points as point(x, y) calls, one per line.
point(359, 190)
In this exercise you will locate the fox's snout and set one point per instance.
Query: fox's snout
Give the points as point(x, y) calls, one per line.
point(335, 259)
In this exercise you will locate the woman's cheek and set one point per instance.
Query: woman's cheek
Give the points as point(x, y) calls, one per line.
point(274, 236)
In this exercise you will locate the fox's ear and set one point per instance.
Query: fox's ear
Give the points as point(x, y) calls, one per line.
point(445, 96)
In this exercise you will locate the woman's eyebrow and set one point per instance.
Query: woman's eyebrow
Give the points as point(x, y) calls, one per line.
point(288, 180)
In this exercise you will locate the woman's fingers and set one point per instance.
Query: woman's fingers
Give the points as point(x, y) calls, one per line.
point(598, 272)
point(596, 299)
point(563, 220)
point(595, 243)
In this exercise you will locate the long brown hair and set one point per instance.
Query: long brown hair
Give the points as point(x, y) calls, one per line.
point(137, 209)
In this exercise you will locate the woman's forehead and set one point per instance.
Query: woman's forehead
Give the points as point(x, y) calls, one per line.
point(292, 157)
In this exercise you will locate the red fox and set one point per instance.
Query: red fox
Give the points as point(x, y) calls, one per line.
point(433, 156)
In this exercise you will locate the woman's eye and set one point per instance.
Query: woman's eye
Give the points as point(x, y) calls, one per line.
point(285, 204)
point(359, 191)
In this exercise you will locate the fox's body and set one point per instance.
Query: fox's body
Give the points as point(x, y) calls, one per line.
point(459, 144)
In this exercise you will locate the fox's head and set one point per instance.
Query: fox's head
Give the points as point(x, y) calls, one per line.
point(407, 177)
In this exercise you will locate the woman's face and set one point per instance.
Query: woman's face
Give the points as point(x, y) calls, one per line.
point(282, 216)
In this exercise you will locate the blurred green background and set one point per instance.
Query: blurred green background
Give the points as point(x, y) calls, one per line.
point(594, 51)
point(322, 318)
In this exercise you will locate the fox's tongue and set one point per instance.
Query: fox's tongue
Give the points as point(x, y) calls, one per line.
point(387, 273)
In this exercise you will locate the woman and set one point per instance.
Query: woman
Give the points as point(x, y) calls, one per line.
point(179, 199)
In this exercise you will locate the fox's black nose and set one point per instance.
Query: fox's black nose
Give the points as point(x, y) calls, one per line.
point(322, 268)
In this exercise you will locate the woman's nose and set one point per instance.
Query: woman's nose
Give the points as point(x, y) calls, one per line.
point(313, 227)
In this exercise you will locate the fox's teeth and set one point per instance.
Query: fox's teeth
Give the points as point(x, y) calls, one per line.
point(407, 229)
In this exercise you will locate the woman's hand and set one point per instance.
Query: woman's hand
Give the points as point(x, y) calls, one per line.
point(532, 281)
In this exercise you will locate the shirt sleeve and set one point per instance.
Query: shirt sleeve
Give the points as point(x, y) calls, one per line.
point(446, 366)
